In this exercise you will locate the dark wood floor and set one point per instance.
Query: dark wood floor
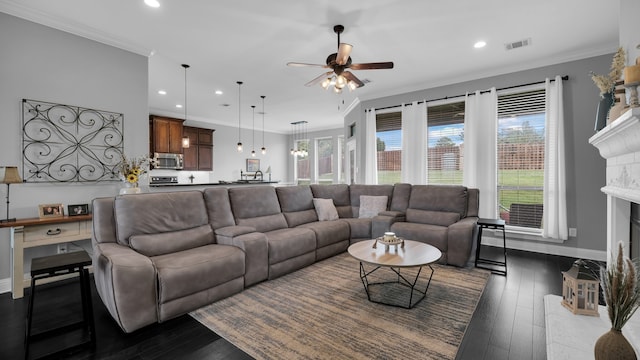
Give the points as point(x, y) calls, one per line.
point(508, 322)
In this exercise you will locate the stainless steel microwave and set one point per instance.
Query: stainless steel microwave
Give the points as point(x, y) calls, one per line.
point(167, 161)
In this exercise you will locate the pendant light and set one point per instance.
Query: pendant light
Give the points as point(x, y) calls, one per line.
point(185, 139)
point(264, 149)
point(239, 129)
point(253, 143)
point(299, 134)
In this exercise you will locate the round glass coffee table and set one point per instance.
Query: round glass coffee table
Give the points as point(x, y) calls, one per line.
point(406, 263)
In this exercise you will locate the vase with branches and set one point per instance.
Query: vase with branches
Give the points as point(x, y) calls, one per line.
point(619, 281)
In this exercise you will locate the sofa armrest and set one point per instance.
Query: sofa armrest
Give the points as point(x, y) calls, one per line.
point(233, 231)
point(383, 221)
point(255, 247)
point(126, 283)
point(461, 240)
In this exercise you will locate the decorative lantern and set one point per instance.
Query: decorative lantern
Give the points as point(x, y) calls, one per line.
point(580, 288)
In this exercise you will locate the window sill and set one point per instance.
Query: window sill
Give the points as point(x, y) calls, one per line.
point(520, 233)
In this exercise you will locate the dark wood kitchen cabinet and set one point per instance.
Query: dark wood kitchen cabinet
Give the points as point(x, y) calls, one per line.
point(166, 134)
point(199, 154)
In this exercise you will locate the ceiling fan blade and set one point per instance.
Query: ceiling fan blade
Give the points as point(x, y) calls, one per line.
point(349, 75)
point(372, 66)
point(344, 51)
point(319, 78)
point(297, 64)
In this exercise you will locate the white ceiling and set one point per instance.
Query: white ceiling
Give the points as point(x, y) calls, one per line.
point(224, 41)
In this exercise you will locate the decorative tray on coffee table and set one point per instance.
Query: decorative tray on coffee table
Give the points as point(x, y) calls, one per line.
point(388, 242)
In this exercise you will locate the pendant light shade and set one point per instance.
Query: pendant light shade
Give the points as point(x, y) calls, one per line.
point(253, 131)
point(239, 107)
point(264, 149)
point(185, 139)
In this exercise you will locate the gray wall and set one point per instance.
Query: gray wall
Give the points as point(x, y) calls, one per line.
point(585, 168)
point(40, 63)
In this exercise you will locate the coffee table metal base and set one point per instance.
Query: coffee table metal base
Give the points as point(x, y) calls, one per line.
point(412, 284)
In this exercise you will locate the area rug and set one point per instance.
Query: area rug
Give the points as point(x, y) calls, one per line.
point(322, 312)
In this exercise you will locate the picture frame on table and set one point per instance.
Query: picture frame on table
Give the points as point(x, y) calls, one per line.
point(253, 165)
point(78, 209)
point(46, 211)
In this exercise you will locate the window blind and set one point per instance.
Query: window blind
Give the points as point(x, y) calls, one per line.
point(521, 142)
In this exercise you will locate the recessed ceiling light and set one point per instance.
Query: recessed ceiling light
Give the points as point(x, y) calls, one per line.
point(179, 106)
point(219, 92)
point(162, 92)
point(152, 3)
point(479, 44)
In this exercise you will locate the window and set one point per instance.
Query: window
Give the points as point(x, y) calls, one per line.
point(301, 163)
point(521, 129)
point(389, 146)
point(324, 160)
point(341, 174)
point(445, 143)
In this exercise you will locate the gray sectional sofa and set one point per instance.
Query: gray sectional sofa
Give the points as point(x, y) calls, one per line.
point(160, 255)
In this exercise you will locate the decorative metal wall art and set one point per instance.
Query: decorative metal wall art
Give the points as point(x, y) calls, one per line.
point(64, 143)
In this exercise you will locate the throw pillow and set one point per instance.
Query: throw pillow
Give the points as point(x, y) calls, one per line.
point(325, 209)
point(370, 206)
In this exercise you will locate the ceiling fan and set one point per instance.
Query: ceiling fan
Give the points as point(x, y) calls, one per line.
point(339, 62)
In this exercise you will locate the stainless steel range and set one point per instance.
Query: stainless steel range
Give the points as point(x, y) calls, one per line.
point(160, 180)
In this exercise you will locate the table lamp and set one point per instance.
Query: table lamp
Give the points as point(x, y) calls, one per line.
point(9, 175)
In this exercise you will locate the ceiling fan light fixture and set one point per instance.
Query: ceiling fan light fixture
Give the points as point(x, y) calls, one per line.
point(352, 85)
point(326, 83)
point(337, 90)
point(341, 81)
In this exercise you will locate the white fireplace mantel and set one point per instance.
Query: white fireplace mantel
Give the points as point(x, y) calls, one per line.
point(619, 144)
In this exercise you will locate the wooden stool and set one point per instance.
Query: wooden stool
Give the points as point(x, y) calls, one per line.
point(491, 224)
point(55, 265)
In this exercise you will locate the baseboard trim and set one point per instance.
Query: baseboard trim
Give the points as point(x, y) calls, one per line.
point(547, 248)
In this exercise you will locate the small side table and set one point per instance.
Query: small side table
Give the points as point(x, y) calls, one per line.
point(496, 224)
point(56, 265)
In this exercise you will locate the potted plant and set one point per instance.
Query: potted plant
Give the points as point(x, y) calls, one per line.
point(619, 281)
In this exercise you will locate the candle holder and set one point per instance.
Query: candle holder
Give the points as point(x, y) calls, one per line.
point(633, 94)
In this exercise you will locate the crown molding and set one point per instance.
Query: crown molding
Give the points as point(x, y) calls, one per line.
point(22, 11)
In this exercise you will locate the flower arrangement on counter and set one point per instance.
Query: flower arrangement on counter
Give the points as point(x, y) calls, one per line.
point(606, 83)
point(132, 169)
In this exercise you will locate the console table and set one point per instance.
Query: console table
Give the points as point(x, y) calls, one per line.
point(34, 232)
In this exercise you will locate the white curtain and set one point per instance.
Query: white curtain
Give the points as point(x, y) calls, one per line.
point(370, 149)
point(554, 214)
point(414, 149)
point(480, 149)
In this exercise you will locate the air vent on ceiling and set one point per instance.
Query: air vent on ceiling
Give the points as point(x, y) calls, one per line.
point(518, 44)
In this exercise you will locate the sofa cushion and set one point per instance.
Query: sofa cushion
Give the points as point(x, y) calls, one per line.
point(265, 223)
point(370, 206)
point(451, 198)
point(218, 207)
point(442, 218)
point(360, 228)
point(430, 234)
point(325, 209)
point(296, 203)
point(257, 207)
point(339, 193)
point(255, 201)
point(187, 272)
point(173, 241)
point(158, 213)
point(285, 244)
point(356, 190)
point(328, 232)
